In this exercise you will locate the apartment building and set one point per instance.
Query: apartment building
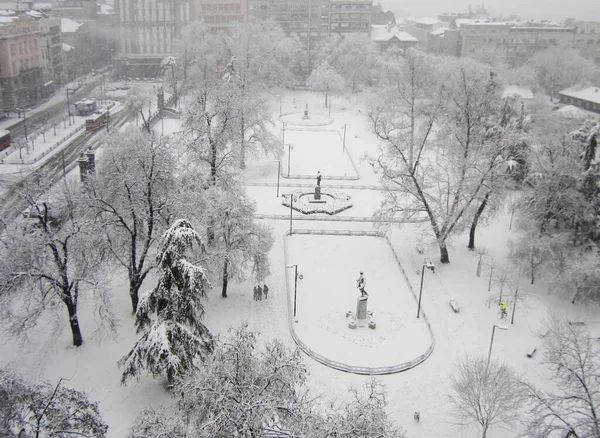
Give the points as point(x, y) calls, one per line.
point(219, 15)
point(516, 43)
point(20, 61)
point(51, 53)
point(146, 32)
point(350, 16)
point(258, 10)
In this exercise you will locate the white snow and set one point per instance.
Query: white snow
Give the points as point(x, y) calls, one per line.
point(329, 265)
point(69, 26)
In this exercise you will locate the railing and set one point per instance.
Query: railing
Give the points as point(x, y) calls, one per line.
point(340, 365)
point(329, 218)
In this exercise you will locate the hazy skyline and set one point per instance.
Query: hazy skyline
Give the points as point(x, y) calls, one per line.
point(533, 9)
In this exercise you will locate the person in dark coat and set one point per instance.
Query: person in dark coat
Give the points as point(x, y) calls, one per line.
point(259, 292)
point(255, 294)
point(266, 291)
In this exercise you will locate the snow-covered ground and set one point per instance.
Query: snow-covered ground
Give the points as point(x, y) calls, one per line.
point(329, 265)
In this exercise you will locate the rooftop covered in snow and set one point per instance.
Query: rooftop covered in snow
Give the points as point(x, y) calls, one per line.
point(383, 33)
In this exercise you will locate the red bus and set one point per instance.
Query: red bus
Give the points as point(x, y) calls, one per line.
point(5, 140)
point(98, 121)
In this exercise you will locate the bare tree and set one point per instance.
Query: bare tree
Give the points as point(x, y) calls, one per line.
point(484, 393)
point(131, 196)
point(52, 258)
point(440, 179)
point(43, 410)
point(572, 408)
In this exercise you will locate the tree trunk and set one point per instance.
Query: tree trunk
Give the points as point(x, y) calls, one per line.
point(224, 289)
point(74, 322)
point(484, 433)
point(326, 95)
point(478, 213)
point(444, 258)
point(242, 145)
point(134, 289)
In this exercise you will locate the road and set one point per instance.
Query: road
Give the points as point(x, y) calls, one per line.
point(51, 170)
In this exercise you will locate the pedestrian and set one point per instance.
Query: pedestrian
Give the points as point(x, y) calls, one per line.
point(259, 292)
point(503, 309)
point(266, 291)
point(255, 294)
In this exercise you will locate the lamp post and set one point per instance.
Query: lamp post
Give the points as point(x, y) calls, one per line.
point(344, 143)
point(428, 265)
point(501, 327)
point(280, 106)
point(22, 110)
point(291, 209)
point(290, 147)
point(295, 284)
point(68, 105)
point(278, 173)
point(283, 135)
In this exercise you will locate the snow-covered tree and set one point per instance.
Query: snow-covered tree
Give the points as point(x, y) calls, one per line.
point(246, 390)
point(169, 317)
point(326, 79)
point(435, 156)
point(50, 259)
point(351, 56)
point(139, 100)
point(132, 196)
point(558, 68)
point(572, 407)
point(44, 410)
point(484, 393)
point(241, 245)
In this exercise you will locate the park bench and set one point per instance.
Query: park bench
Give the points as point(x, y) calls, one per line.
point(531, 351)
point(544, 332)
point(454, 306)
point(576, 323)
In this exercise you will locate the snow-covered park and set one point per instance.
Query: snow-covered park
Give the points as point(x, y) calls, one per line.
point(329, 253)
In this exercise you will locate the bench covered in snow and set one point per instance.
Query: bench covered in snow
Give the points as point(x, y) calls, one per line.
point(455, 306)
point(531, 351)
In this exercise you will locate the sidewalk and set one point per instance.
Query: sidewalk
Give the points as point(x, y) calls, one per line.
point(42, 145)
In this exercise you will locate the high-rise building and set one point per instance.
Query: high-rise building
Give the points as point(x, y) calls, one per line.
point(147, 30)
point(350, 16)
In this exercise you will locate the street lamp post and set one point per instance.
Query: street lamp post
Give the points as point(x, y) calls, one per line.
point(295, 284)
point(289, 157)
point(428, 265)
point(291, 209)
point(283, 135)
point(344, 143)
point(280, 105)
point(501, 327)
point(278, 173)
point(68, 105)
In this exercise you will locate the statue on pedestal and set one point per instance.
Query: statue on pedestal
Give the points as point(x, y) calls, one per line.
point(305, 116)
point(361, 283)
point(318, 178)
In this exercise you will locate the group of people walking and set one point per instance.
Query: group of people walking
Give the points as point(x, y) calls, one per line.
point(260, 291)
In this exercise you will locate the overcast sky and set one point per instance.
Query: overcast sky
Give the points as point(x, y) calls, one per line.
point(556, 10)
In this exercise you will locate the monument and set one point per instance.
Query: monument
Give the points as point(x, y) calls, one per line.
point(317, 196)
point(362, 317)
point(305, 116)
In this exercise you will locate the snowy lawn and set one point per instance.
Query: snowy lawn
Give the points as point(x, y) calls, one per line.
point(322, 301)
point(314, 151)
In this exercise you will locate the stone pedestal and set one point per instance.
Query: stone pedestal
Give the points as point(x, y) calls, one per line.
point(361, 308)
point(317, 193)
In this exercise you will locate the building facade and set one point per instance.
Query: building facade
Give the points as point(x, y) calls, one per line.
point(350, 16)
point(20, 61)
point(219, 15)
point(51, 53)
point(588, 98)
point(516, 43)
point(146, 32)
